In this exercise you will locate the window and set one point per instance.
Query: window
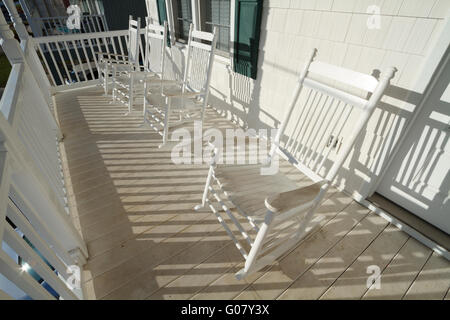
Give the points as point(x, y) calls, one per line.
point(211, 13)
point(216, 13)
point(244, 14)
point(183, 19)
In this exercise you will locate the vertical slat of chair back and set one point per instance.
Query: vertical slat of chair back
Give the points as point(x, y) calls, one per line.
point(358, 126)
point(134, 27)
point(317, 133)
point(200, 59)
point(170, 67)
point(155, 47)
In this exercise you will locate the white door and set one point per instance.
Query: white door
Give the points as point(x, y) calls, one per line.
point(418, 178)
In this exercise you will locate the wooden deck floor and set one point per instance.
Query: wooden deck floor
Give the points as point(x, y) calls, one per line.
point(134, 209)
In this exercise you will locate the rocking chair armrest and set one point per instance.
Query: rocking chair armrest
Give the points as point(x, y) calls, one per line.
point(169, 82)
point(130, 66)
point(141, 70)
point(284, 201)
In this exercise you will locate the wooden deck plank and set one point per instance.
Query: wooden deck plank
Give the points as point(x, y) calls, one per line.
point(151, 279)
point(353, 282)
point(281, 276)
point(401, 271)
point(141, 255)
point(433, 281)
point(313, 283)
point(189, 284)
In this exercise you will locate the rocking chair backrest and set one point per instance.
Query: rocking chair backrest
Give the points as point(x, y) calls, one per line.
point(323, 120)
point(134, 31)
point(200, 59)
point(155, 46)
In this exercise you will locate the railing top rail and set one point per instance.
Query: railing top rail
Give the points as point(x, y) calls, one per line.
point(81, 36)
point(59, 17)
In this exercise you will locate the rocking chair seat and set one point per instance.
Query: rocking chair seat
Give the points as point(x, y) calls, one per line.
point(247, 189)
point(122, 68)
point(142, 76)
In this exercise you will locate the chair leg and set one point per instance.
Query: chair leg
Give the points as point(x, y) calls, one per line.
point(166, 123)
point(113, 91)
point(106, 80)
point(144, 107)
point(206, 191)
point(202, 116)
point(256, 247)
point(131, 93)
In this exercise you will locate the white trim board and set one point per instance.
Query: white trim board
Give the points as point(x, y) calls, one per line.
point(405, 228)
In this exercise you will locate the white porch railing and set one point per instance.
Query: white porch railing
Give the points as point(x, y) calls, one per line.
point(49, 26)
point(38, 239)
point(72, 60)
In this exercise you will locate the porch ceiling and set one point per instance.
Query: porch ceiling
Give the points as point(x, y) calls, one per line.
point(134, 208)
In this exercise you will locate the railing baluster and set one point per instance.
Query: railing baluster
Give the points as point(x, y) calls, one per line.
point(106, 46)
point(113, 45)
point(46, 64)
point(99, 28)
point(69, 53)
point(87, 59)
point(63, 60)
point(50, 51)
point(93, 53)
point(45, 24)
point(119, 38)
point(79, 59)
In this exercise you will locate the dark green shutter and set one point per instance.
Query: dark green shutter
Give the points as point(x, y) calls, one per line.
point(162, 16)
point(162, 13)
point(246, 38)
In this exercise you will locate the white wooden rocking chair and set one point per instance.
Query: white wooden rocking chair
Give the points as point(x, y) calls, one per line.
point(279, 212)
point(128, 83)
point(182, 100)
point(106, 61)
